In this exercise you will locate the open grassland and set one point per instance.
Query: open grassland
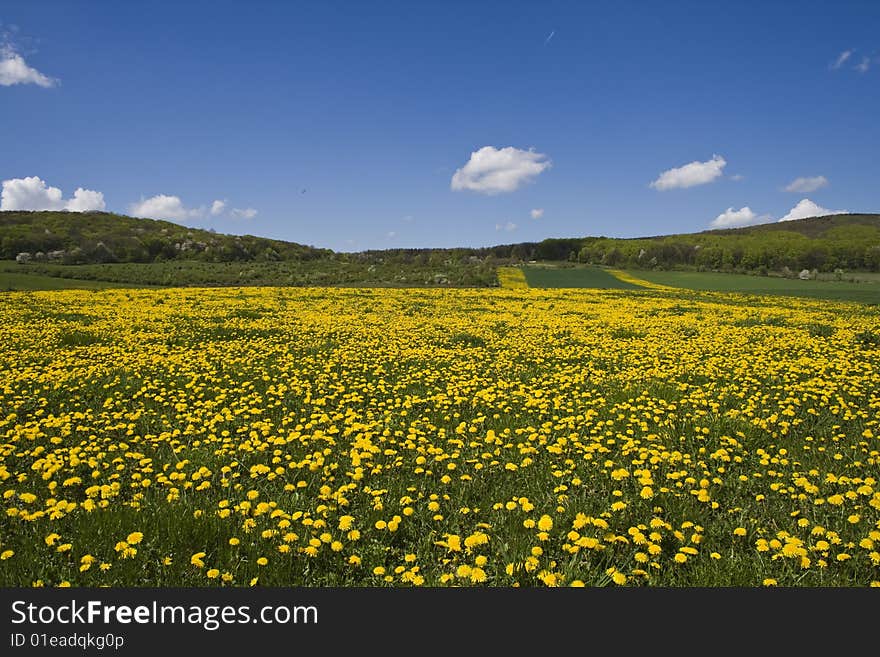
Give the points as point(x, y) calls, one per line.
point(200, 437)
point(575, 277)
point(332, 270)
point(16, 281)
point(867, 291)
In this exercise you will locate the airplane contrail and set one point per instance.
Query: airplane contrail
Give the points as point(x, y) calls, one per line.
point(547, 40)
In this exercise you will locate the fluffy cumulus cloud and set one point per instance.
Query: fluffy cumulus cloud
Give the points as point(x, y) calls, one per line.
point(15, 70)
point(165, 207)
point(806, 185)
point(806, 208)
point(33, 193)
point(172, 208)
point(690, 175)
point(493, 170)
point(731, 218)
point(537, 213)
point(85, 200)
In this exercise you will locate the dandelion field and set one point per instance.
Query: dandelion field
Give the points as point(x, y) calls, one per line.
point(394, 437)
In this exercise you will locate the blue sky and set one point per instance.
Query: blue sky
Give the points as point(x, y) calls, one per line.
point(354, 125)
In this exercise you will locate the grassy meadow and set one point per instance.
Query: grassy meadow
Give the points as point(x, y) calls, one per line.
point(10, 281)
point(866, 290)
point(432, 437)
point(575, 277)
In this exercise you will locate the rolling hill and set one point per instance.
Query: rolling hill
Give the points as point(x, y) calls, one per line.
point(101, 246)
point(99, 237)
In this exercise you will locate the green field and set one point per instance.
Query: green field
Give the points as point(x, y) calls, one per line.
point(15, 281)
point(331, 271)
point(575, 277)
point(865, 292)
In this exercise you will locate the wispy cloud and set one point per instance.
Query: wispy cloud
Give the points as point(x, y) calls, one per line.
point(549, 36)
point(509, 227)
point(806, 185)
point(537, 213)
point(864, 65)
point(690, 175)
point(243, 213)
point(841, 59)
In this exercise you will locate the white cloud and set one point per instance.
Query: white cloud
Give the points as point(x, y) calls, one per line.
point(806, 185)
point(806, 208)
point(864, 65)
point(246, 213)
point(171, 208)
point(690, 175)
point(14, 70)
point(841, 59)
point(509, 226)
point(165, 207)
point(493, 171)
point(537, 213)
point(32, 193)
point(86, 200)
point(731, 218)
point(391, 234)
point(737, 177)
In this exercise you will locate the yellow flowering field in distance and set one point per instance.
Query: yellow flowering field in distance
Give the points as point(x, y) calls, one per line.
point(391, 437)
